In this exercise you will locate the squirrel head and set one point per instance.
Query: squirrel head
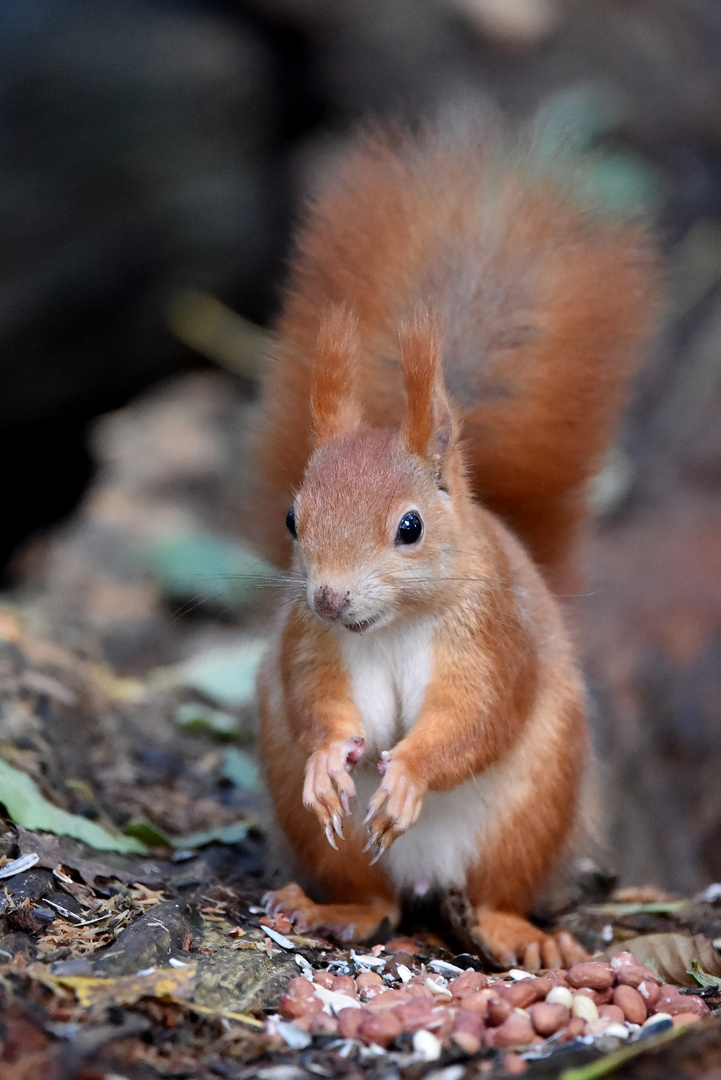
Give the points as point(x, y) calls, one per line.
point(376, 519)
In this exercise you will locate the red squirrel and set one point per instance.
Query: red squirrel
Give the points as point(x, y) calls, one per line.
point(453, 350)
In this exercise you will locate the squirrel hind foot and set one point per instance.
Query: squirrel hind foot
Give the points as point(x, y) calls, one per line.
point(509, 940)
point(344, 922)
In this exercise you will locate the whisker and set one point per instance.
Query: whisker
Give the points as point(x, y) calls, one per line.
point(228, 600)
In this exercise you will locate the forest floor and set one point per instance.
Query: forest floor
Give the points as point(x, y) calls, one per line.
point(133, 942)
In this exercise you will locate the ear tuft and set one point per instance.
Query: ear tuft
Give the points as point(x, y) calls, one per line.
point(427, 428)
point(335, 409)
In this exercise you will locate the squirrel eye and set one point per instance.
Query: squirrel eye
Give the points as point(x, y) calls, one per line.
point(410, 529)
point(290, 523)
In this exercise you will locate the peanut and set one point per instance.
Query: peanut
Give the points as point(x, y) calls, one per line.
point(575, 1028)
point(414, 1015)
point(477, 1001)
point(387, 999)
point(523, 993)
point(498, 1011)
point(630, 1001)
point(382, 1029)
point(614, 1013)
point(593, 974)
point(629, 972)
point(368, 978)
point(470, 1022)
point(650, 991)
point(676, 1004)
point(597, 1027)
point(292, 1006)
point(441, 1023)
point(300, 987)
point(682, 1019)
point(517, 1030)
point(584, 1007)
point(469, 1044)
point(468, 982)
point(560, 995)
point(323, 1024)
point(548, 1018)
point(306, 1020)
point(344, 984)
point(349, 1020)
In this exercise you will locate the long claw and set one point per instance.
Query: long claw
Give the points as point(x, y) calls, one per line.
point(345, 803)
point(329, 837)
point(370, 814)
point(337, 825)
point(370, 842)
point(376, 857)
point(298, 920)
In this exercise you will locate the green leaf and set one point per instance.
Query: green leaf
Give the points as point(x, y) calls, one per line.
point(221, 834)
point(240, 768)
point(226, 673)
point(577, 116)
point(660, 907)
point(27, 806)
point(204, 718)
point(703, 978)
point(147, 833)
point(624, 183)
point(208, 567)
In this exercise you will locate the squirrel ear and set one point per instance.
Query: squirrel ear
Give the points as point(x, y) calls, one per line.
point(428, 426)
point(334, 405)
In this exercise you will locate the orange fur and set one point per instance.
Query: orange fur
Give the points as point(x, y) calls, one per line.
point(428, 424)
point(544, 306)
point(333, 405)
point(454, 346)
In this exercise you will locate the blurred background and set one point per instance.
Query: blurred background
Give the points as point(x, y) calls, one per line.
point(152, 158)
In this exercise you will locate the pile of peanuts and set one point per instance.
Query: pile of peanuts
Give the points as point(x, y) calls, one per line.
point(471, 1011)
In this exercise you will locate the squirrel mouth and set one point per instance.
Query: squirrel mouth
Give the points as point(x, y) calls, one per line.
point(359, 627)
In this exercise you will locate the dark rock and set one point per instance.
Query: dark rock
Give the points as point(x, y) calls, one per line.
point(30, 920)
point(32, 885)
point(16, 943)
point(148, 942)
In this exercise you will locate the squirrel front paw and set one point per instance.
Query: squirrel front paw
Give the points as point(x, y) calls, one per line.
point(328, 787)
point(394, 807)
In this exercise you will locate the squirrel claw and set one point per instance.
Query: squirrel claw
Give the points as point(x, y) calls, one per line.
point(379, 852)
point(329, 837)
point(328, 787)
point(369, 842)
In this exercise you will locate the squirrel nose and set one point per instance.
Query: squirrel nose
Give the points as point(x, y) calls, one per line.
point(330, 602)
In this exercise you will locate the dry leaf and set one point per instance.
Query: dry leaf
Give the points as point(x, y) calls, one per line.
point(177, 983)
point(671, 955)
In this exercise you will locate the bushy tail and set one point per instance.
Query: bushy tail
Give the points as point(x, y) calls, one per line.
point(544, 306)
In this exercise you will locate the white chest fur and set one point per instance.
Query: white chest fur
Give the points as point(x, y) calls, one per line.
point(445, 841)
point(389, 672)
